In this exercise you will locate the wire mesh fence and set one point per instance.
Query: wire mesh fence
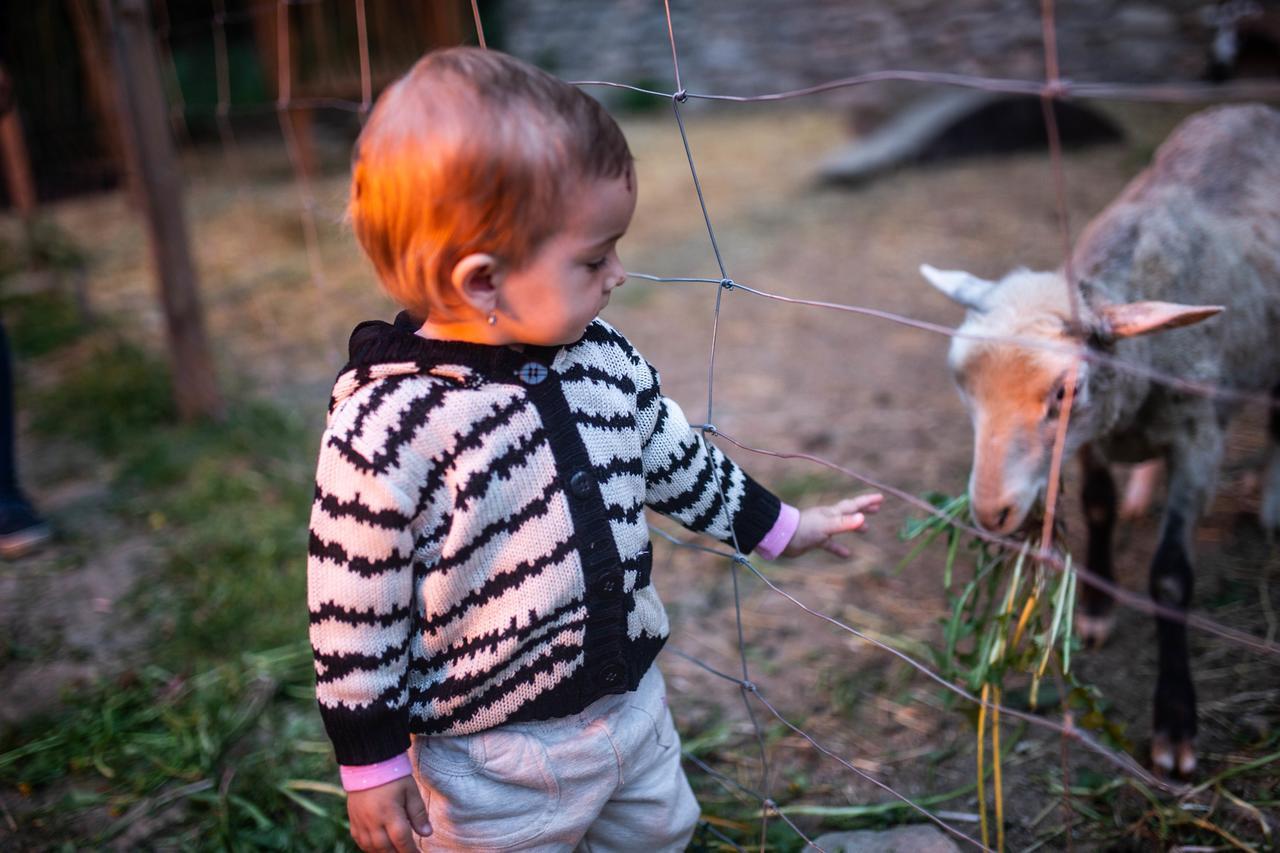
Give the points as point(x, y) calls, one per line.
point(757, 706)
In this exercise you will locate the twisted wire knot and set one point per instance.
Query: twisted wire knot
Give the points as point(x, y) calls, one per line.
point(1056, 88)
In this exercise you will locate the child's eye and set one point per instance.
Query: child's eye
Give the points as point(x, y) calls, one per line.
point(596, 266)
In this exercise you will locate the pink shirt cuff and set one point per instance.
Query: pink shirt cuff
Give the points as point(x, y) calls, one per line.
point(779, 536)
point(364, 776)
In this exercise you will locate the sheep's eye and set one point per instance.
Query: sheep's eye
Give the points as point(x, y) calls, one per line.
point(1055, 402)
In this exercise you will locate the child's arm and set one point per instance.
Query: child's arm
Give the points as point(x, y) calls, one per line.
point(359, 592)
point(686, 478)
point(360, 595)
point(819, 525)
point(691, 480)
point(386, 818)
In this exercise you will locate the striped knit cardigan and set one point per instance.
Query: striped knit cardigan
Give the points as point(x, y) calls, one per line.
point(479, 552)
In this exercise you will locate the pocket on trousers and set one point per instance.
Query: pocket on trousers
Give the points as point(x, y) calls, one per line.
point(452, 755)
point(659, 723)
point(494, 790)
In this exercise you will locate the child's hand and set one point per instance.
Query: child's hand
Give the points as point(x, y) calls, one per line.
point(819, 524)
point(384, 819)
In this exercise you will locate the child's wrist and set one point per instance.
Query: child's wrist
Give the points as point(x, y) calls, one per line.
point(361, 777)
point(780, 535)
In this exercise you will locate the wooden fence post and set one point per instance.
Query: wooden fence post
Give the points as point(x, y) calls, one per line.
point(13, 153)
point(148, 139)
point(100, 85)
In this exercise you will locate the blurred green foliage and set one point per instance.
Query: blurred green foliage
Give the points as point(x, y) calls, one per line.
point(40, 323)
point(194, 62)
point(212, 740)
point(230, 502)
point(116, 393)
point(41, 245)
point(220, 759)
point(630, 101)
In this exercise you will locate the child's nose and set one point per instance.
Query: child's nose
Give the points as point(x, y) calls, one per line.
point(619, 278)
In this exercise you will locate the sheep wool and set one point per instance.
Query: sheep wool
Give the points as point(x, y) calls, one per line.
point(479, 552)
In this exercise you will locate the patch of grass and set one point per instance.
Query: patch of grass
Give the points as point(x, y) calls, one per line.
point(845, 690)
point(727, 810)
point(39, 323)
point(215, 742)
point(50, 246)
point(117, 392)
point(731, 812)
point(1123, 813)
point(44, 245)
point(231, 501)
point(228, 756)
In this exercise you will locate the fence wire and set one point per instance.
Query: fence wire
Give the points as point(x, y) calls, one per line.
point(1051, 89)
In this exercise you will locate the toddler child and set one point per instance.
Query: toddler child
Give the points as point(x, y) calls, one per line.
point(482, 614)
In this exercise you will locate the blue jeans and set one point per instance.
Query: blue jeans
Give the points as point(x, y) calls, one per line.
point(9, 492)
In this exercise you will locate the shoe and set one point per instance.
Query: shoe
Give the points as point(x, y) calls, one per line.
point(21, 530)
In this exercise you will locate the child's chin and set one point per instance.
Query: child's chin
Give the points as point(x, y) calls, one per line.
point(569, 337)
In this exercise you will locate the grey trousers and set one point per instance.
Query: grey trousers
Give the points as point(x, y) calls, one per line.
point(607, 779)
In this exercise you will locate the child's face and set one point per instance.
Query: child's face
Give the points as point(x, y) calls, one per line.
point(555, 296)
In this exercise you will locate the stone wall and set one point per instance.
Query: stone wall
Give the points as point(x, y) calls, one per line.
point(757, 46)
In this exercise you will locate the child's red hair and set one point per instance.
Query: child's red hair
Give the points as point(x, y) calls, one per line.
point(471, 151)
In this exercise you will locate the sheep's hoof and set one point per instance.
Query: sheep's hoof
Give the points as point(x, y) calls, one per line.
point(1173, 758)
point(1092, 630)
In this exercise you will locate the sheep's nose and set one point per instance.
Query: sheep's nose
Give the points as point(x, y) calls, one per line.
point(993, 518)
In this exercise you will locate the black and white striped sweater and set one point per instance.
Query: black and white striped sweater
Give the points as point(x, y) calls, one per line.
point(479, 552)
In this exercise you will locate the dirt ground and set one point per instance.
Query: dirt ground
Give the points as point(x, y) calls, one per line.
point(865, 393)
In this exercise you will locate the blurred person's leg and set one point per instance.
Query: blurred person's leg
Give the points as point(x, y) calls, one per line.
point(21, 529)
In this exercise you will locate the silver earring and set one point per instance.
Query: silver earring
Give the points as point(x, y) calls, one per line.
point(493, 318)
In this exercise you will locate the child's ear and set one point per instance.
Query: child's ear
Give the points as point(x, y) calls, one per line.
point(475, 279)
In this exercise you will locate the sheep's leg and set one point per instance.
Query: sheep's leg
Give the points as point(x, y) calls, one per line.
point(1094, 616)
point(1270, 512)
point(1192, 470)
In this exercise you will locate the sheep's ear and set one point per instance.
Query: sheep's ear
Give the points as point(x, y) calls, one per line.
point(969, 290)
point(1141, 318)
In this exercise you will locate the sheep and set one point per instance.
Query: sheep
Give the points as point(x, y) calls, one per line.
point(1195, 234)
